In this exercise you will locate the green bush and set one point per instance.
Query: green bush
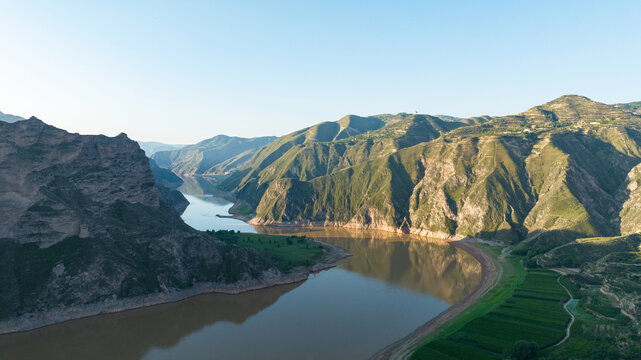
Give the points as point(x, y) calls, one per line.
point(524, 350)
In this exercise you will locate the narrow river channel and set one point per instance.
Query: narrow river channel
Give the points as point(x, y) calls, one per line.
point(391, 285)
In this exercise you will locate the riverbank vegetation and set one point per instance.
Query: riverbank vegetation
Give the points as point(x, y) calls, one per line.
point(533, 313)
point(287, 251)
point(524, 314)
point(601, 330)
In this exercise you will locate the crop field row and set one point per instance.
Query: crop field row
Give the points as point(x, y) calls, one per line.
point(533, 313)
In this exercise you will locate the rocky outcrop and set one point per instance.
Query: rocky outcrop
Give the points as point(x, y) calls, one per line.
point(84, 229)
point(174, 198)
point(167, 182)
point(631, 211)
point(53, 182)
point(164, 177)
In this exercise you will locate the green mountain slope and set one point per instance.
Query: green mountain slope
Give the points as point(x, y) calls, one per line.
point(324, 132)
point(218, 155)
point(569, 165)
point(303, 157)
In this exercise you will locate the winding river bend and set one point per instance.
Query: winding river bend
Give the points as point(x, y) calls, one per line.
point(391, 285)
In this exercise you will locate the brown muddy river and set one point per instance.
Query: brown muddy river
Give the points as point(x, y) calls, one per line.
point(391, 285)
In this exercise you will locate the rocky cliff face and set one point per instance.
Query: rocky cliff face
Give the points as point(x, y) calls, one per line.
point(631, 211)
point(82, 223)
point(52, 181)
point(167, 183)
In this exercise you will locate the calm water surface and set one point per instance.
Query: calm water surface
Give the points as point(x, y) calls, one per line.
point(389, 287)
point(202, 210)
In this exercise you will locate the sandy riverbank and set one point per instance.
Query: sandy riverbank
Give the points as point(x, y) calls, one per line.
point(404, 347)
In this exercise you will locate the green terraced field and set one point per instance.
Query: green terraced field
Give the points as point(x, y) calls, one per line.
point(605, 310)
point(534, 313)
point(592, 337)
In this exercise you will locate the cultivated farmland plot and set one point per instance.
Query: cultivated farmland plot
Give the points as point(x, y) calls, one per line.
point(533, 313)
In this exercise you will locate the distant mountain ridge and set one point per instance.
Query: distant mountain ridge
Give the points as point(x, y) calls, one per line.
point(633, 106)
point(215, 156)
point(10, 118)
point(152, 147)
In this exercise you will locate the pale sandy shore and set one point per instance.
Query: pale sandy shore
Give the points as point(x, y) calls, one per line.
point(490, 272)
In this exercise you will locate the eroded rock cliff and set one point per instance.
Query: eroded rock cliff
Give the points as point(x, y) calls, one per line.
point(83, 228)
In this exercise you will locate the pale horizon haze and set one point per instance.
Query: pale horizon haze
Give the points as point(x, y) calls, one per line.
point(180, 72)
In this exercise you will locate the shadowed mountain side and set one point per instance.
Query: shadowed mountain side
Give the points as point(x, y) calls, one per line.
point(198, 185)
point(167, 182)
point(131, 334)
point(216, 156)
point(164, 177)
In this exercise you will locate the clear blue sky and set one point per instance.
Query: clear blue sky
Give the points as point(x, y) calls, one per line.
point(182, 71)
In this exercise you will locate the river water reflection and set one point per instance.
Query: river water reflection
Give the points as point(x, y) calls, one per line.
point(391, 285)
